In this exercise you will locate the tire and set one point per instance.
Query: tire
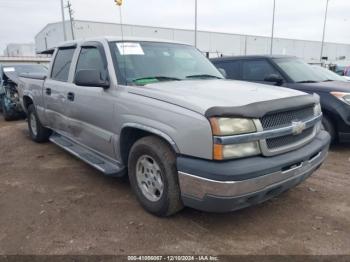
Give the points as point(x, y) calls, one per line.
point(1, 104)
point(328, 126)
point(37, 131)
point(153, 157)
point(8, 113)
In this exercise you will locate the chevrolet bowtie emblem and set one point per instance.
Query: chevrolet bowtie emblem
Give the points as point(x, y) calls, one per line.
point(298, 127)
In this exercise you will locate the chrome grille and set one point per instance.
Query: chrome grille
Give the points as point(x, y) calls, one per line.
point(276, 120)
point(282, 141)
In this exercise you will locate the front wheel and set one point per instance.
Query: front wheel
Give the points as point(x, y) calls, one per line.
point(37, 131)
point(153, 176)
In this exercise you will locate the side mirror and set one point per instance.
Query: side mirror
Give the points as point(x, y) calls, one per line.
point(223, 72)
point(274, 78)
point(90, 77)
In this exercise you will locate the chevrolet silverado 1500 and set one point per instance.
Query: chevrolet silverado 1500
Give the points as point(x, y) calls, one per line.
point(162, 114)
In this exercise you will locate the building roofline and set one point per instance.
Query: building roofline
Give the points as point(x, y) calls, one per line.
point(190, 30)
point(50, 24)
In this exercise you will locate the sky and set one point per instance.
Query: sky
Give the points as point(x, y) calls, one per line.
point(21, 20)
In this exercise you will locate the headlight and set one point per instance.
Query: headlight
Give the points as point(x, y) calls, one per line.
point(222, 126)
point(345, 97)
point(317, 109)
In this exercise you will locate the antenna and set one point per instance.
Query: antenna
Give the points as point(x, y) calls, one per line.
point(71, 12)
point(119, 4)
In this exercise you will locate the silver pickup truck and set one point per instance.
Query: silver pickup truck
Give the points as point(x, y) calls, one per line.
point(161, 113)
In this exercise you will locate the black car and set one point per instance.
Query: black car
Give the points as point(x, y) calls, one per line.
point(9, 79)
point(294, 73)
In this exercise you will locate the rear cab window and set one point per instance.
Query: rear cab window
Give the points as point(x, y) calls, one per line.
point(62, 64)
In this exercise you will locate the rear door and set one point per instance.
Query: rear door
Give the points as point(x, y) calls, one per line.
point(257, 70)
point(56, 89)
point(91, 109)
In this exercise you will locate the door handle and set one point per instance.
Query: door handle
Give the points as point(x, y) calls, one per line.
point(70, 96)
point(48, 91)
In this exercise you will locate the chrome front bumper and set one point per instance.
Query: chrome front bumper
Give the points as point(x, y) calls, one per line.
point(214, 195)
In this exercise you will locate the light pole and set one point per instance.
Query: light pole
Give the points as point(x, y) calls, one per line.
point(195, 23)
point(273, 26)
point(63, 22)
point(324, 29)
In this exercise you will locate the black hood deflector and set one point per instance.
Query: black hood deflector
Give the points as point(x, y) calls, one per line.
point(260, 109)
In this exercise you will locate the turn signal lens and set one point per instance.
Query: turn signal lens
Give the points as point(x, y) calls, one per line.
point(223, 152)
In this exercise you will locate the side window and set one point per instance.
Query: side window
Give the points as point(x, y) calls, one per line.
point(257, 70)
point(61, 66)
point(90, 58)
point(232, 69)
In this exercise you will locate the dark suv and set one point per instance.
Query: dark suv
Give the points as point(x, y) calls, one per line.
point(294, 73)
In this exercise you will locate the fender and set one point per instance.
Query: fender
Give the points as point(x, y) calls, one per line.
point(153, 131)
point(25, 94)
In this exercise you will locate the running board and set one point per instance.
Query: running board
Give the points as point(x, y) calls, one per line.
point(102, 164)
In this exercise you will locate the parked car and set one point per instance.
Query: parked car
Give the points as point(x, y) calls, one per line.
point(338, 69)
point(328, 74)
point(347, 73)
point(294, 73)
point(9, 98)
point(161, 113)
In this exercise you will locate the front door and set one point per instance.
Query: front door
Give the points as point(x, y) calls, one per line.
point(258, 71)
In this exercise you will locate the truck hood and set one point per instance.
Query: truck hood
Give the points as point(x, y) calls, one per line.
point(331, 86)
point(200, 95)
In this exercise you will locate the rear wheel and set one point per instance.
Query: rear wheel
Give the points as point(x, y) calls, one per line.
point(8, 112)
point(37, 131)
point(153, 176)
point(328, 126)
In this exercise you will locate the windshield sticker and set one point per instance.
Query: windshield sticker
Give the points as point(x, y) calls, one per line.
point(9, 69)
point(130, 49)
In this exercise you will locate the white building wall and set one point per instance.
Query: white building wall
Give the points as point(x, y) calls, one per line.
point(20, 50)
point(215, 43)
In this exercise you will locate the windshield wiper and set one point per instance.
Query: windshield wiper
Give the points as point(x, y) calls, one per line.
point(307, 81)
point(328, 80)
point(158, 78)
point(204, 76)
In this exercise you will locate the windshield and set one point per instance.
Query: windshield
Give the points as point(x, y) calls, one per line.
point(299, 71)
point(20, 69)
point(148, 62)
point(328, 74)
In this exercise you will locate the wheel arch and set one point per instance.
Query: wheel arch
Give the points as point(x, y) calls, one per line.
point(26, 102)
point(130, 133)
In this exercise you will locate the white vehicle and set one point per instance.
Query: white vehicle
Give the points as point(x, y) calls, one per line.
point(330, 75)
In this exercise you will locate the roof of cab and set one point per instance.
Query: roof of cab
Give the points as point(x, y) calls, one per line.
point(229, 58)
point(112, 39)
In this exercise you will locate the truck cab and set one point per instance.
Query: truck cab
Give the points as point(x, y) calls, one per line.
point(160, 113)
